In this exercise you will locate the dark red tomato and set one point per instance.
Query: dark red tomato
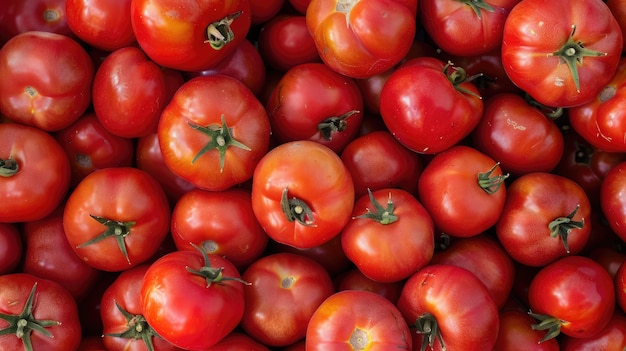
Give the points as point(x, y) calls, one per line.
point(89, 308)
point(11, 248)
point(213, 132)
point(611, 338)
point(516, 333)
point(357, 320)
point(264, 10)
point(35, 173)
point(613, 199)
point(285, 42)
point(189, 35)
point(463, 190)
point(620, 287)
point(519, 136)
point(49, 255)
point(299, 5)
point(116, 218)
point(377, 160)
point(91, 343)
point(37, 314)
point(545, 217)
point(103, 24)
point(304, 202)
point(429, 106)
point(574, 295)
point(237, 341)
point(451, 308)
point(20, 16)
point(48, 91)
point(618, 9)
point(221, 222)
point(611, 258)
point(313, 102)
point(89, 147)
point(354, 279)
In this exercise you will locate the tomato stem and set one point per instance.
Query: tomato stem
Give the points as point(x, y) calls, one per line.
point(458, 76)
point(296, 209)
point(383, 215)
point(491, 184)
point(220, 33)
point(549, 323)
point(427, 325)
point(334, 124)
point(211, 274)
point(477, 6)
point(550, 112)
point(138, 328)
point(562, 226)
point(8, 167)
point(359, 339)
point(117, 229)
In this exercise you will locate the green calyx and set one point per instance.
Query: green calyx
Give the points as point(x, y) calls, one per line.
point(22, 325)
point(551, 325)
point(221, 139)
point(457, 76)
point(220, 33)
point(334, 124)
point(478, 6)
point(383, 215)
point(116, 229)
point(296, 209)
point(8, 167)
point(562, 226)
point(211, 274)
point(427, 326)
point(138, 328)
point(491, 184)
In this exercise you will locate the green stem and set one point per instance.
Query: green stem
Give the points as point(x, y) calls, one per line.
point(383, 215)
point(211, 274)
point(334, 124)
point(562, 226)
point(220, 33)
point(550, 324)
point(8, 167)
point(478, 6)
point(296, 209)
point(138, 328)
point(116, 229)
point(491, 184)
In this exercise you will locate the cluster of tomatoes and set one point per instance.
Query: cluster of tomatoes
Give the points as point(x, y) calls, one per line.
point(312, 175)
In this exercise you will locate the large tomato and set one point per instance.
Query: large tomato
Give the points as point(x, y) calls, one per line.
point(611, 338)
point(43, 15)
point(613, 199)
point(561, 52)
point(516, 333)
point(11, 248)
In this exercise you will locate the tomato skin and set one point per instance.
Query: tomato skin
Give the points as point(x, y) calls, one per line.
point(41, 161)
point(237, 341)
point(173, 33)
point(618, 9)
point(356, 319)
point(619, 279)
point(354, 279)
point(331, 199)
point(515, 333)
point(10, 248)
point(365, 38)
point(612, 200)
point(46, 91)
point(263, 10)
point(611, 338)
point(40, 15)
point(536, 29)
point(285, 42)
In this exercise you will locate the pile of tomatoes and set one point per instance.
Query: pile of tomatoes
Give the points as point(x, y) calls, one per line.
point(312, 175)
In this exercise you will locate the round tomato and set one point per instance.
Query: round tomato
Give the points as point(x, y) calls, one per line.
point(611, 338)
point(10, 248)
point(613, 199)
point(516, 333)
point(237, 341)
point(354, 279)
point(42, 15)
point(285, 42)
point(264, 10)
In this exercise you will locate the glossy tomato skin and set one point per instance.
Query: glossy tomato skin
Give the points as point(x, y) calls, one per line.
point(362, 39)
point(356, 319)
point(611, 338)
point(618, 9)
point(577, 291)
point(48, 91)
point(263, 10)
point(612, 199)
point(172, 300)
point(424, 110)
point(42, 177)
point(536, 30)
point(174, 34)
point(619, 279)
point(314, 178)
point(41, 15)
point(123, 207)
point(10, 248)
point(202, 106)
point(285, 42)
point(515, 333)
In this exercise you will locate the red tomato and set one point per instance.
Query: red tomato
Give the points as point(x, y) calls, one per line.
point(515, 333)
point(429, 106)
point(91, 343)
point(11, 248)
point(620, 287)
point(116, 218)
point(611, 338)
point(306, 201)
point(213, 132)
point(357, 320)
point(48, 309)
point(236, 341)
point(264, 10)
point(299, 6)
point(189, 35)
point(49, 91)
point(613, 199)
point(362, 38)
point(20, 16)
point(285, 42)
point(354, 279)
point(618, 9)
point(35, 173)
point(574, 295)
point(561, 52)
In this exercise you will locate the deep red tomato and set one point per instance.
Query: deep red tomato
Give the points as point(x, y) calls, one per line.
point(35, 173)
point(192, 299)
point(313, 102)
point(362, 38)
point(354, 279)
point(613, 199)
point(611, 338)
point(237, 341)
point(306, 201)
point(618, 9)
point(357, 320)
point(37, 314)
point(264, 10)
point(451, 308)
point(116, 218)
point(561, 52)
point(515, 333)
point(91, 343)
point(611, 258)
point(213, 132)
point(620, 287)
point(20, 16)
point(48, 91)
point(299, 6)
point(429, 105)
point(11, 248)
point(285, 42)
point(574, 295)
point(189, 35)
point(103, 24)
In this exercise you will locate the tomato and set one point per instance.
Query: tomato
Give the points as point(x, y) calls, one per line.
point(264, 10)
point(103, 24)
point(574, 295)
point(193, 300)
point(429, 105)
point(357, 320)
point(515, 333)
point(10, 248)
point(35, 173)
point(48, 309)
point(48, 91)
point(221, 222)
point(362, 38)
point(42, 15)
point(354, 279)
point(611, 258)
point(116, 218)
point(451, 308)
point(611, 338)
point(390, 226)
point(91, 343)
point(236, 341)
point(545, 217)
point(189, 35)
point(313, 102)
point(612, 199)
point(465, 28)
point(620, 287)
point(299, 6)
point(561, 52)
point(285, 42)
point(306, 201)
point(618, 9)
point(213, 132)
point(463, 190)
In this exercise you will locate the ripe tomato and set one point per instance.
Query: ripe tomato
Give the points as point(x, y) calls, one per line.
point(306, 201)
point(620, 287)
point(613, 199)
point(618, 9)
point(362, 38)
point(237, 341)
point(213, 132)
point(561, 52)
point(264, 10)
point(41, 15)
point(354, 279)
point(10, 248)
point(357, 320)
point(515, 333)
point(611, 338)
point(285, 42)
